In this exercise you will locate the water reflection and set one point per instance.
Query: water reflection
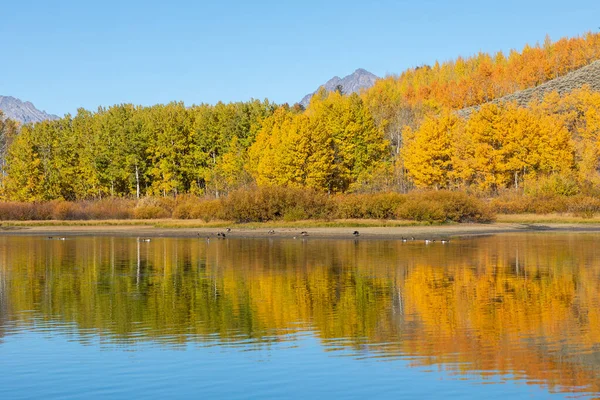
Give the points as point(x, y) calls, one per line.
point(517, 307)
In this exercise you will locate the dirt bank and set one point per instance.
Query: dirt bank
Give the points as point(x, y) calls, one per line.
point(394, 232)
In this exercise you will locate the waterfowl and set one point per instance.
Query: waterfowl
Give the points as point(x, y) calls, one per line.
point(221, 235)
point(427, 241)
point(404, 240)
point(271, 232)
point(445, 241)
point(228, 230)
point(355, 233)
point(304, 233)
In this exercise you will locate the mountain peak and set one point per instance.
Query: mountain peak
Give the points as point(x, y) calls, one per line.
point(353, 83)
point(22, 111)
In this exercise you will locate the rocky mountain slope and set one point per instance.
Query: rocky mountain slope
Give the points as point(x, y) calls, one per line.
point(23, 112)
point(353, 83)
point(588, 75)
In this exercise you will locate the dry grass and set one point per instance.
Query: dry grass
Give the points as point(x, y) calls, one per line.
point(552, 218)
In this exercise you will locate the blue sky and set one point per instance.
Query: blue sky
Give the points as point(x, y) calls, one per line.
point(62, 55)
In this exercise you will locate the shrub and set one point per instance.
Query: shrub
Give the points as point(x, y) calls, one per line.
point(520, 204)
point(150, 212)
point(441, 206)
point(295, 214)
point(110, 208)
point(382, 205)
point(17, 211)
point(349, 206)
point(378, 205)
point(551, 186)
point(584, 206)
point(63, 210)
point(274, 202)
point(208, 210)
point(154, 208)
point(183, 211)
point(421, 210)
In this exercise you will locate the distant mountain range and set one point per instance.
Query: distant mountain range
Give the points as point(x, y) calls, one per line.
point(353, 83)
point(23, 112)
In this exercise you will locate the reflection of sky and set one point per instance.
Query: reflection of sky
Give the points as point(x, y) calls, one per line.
point(46, 365)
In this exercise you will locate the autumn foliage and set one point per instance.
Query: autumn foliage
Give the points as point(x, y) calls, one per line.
point(407, 132)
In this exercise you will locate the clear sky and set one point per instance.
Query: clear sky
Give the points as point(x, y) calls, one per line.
point(64, 54)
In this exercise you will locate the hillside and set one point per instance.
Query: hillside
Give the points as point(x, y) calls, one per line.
point(23, 112)
point(353, 83)
point(588, 75)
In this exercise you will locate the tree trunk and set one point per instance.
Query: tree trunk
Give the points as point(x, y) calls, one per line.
point(137, 182)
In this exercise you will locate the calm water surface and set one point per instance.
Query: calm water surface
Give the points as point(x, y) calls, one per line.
point(113, 317)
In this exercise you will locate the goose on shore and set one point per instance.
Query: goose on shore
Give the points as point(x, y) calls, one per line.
point(427, 241)
point(444, 241)
point(304, 233)
point(271, 232)
point(355, 233)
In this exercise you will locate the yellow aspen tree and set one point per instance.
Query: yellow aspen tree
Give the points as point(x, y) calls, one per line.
point(427, 153)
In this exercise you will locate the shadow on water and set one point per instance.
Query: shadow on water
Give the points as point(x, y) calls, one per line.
point(517, 306)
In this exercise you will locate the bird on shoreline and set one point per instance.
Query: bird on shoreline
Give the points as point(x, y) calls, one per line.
point(355, 233)
point(221, 235)
point(271, 232)
point(228, 230)
point(404, 240)
point(444, 241)
point(427, 241)
point(304, 233)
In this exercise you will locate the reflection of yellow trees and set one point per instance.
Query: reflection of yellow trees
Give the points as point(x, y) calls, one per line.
point(525, 305)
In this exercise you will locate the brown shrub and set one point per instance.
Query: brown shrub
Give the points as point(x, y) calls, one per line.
point(377, 205)
point(63, 210)
point(521, 204)
point(442, 206)
point(111, 208)
point(150, 212)
point(17, 211)
point(421, 210)
point(273, 202)
point(183, 211)
point(584, 206)
point(350, 206)
point(208, 210)
point(154, 208)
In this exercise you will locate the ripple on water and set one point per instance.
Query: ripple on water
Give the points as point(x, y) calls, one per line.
point(515, 315)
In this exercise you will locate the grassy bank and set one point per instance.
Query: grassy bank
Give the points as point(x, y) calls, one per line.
point(522, 220)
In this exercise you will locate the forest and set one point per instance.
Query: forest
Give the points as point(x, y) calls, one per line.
point(404, 134)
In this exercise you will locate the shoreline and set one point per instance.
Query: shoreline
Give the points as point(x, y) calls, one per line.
point(371, 232)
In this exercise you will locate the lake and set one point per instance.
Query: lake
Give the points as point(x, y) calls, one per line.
point(115, 317)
